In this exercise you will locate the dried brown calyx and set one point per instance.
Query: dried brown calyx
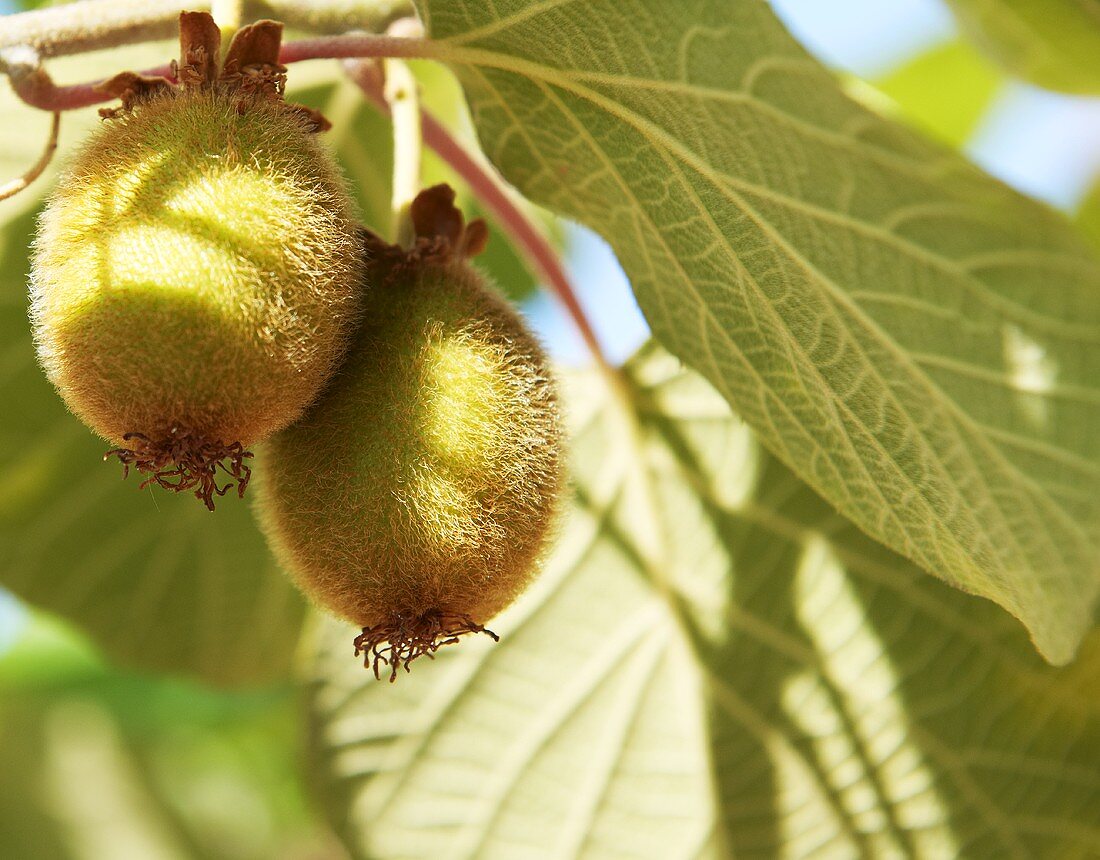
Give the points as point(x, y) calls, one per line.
point(251, 69)
point(441, 236)
point(180, 461)
point(399, 641)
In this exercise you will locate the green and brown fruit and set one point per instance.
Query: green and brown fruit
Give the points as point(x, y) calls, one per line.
point(197, 274)
point(415, 498)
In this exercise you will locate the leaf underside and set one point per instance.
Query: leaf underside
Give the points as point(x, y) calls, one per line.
point(918, 342)
point(713, 664)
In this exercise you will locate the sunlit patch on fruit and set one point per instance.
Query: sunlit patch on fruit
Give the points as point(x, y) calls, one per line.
point(464, 395)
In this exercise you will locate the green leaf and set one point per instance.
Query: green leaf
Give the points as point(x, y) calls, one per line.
point(945, 90)
point(920, 343)
point(1088, 216)
point(713, 664)
point(102, 764)
point(1053, 43)
point(27, 827)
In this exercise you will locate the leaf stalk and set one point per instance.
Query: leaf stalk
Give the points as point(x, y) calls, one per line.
point(494, 195)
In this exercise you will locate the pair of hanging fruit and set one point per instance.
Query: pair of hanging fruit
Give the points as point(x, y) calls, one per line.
point(200, 286)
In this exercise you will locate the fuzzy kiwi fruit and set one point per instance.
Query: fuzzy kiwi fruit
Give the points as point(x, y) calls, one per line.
point(415, 497)
point(197, 274)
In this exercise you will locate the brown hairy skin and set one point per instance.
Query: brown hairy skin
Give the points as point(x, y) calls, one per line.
point(198, 272)
point(416, 497)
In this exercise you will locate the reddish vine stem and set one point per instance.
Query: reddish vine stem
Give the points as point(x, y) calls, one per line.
point(354, 46)
point(491, 192)
point(34, 85)
point(37, 89)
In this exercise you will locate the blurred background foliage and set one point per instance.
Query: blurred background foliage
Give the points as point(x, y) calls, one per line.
point(146, 702)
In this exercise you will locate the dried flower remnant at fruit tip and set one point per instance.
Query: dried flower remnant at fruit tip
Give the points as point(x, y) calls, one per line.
point(398, 642)
point(179, 462)
point(441, 236)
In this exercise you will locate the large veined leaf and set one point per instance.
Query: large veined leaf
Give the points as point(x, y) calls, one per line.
point(1054, 43)
point(920, 343)
point(713, 664)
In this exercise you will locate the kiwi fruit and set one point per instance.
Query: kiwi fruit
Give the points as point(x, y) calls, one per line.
point(415, 498)
point(198, 272)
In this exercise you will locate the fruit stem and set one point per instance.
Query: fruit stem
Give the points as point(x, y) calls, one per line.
point(14, 186)
point(228, 15)
point(403, 102)
point(495, 196)
point(33, 84)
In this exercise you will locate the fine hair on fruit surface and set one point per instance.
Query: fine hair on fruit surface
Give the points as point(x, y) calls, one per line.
point(415, 498)
point(197, 271)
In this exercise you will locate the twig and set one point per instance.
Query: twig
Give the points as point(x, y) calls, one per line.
point(492, 193)
point(37, 89)
point(96, 24)
point(33, 84)
point(354, 45)
point(14, 186)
